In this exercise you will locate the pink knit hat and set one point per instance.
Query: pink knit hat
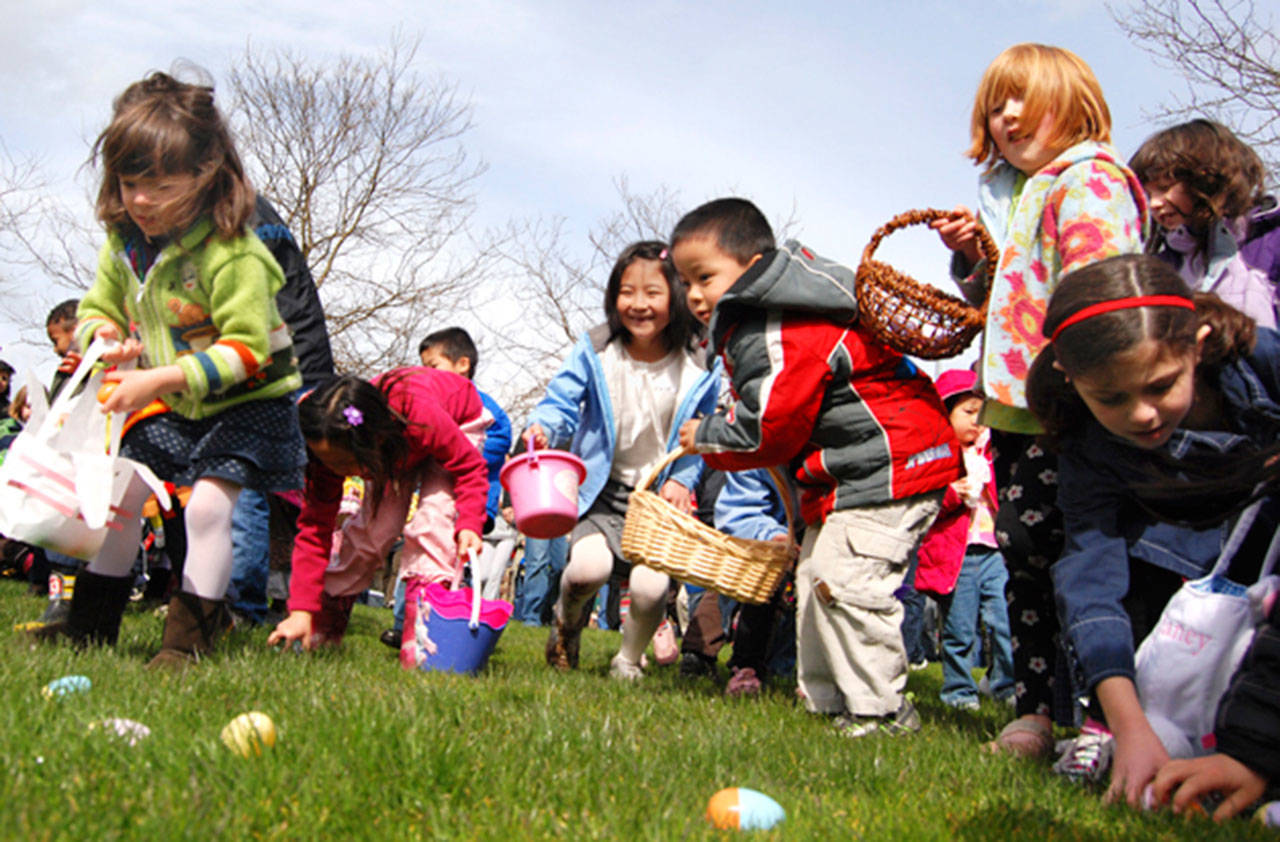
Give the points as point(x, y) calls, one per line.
point(955, 381)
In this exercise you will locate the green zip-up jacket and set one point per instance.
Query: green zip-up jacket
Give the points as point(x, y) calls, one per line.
point(206, 305)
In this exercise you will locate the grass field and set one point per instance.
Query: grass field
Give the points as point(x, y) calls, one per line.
point(368, 751)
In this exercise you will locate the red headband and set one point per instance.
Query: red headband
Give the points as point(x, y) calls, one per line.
point(1122, 304)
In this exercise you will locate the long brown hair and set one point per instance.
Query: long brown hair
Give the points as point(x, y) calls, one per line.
point(1194, 489)
point(161, 126)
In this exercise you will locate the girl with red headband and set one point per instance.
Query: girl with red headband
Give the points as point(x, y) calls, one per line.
point(1162, 405)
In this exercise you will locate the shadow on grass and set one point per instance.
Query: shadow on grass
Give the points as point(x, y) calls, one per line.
point(1007, 821)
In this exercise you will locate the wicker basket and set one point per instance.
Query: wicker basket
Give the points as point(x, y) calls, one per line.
point(657, 535)
point(915, 318)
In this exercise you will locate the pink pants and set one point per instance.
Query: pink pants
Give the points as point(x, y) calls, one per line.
point(430, 551)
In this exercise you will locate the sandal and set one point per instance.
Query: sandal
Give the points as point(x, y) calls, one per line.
point(1022, 738)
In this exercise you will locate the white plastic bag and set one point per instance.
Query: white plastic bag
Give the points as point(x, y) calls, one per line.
point(1187, 661)
point(63, 478)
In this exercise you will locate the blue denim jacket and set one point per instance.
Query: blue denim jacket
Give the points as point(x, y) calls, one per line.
point(1104, 528)
point(577, 411)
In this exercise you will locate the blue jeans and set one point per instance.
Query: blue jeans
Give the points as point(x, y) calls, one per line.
point(912, 615)
point(544, 561)
point(250, 555)
point(979, 594)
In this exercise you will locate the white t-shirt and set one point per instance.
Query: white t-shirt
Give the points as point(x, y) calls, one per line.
point(644, 397)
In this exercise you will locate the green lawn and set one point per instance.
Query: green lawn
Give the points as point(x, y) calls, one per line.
point(369, 751)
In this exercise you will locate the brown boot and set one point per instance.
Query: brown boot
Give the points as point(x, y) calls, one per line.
point(329, 624)
point(565, 641)
point(190, 629)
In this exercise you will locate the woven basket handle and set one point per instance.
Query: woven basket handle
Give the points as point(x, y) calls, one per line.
point(774, 474)
point(986, 246)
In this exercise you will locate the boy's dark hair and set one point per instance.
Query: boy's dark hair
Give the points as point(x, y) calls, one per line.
point(1222, 174)
point(454, 343)
point(5, 368)
point(682, 330)
point(737, 226)
point(64, 312)
point(950, 401)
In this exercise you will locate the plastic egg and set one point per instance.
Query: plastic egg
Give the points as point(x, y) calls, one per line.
point(66, 686)
point(104, 391)
point(739, 808)
point(249, 733)
point(126, 730)
point(1268, 814)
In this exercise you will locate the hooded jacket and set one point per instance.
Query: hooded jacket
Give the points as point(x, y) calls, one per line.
point(857, 423)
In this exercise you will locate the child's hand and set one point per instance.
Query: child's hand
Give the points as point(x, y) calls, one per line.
point(1239, 785)
point(468, 542)
point(136, 389)
point(69, 363)
point(297, 626)
point(688, 434)
point(1139, 755)
point(677, 495)
point(960, 234)
point(539, 435)
point(129, 349)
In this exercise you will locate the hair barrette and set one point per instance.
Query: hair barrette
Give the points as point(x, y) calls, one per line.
point(662, 255)
point(354, 416)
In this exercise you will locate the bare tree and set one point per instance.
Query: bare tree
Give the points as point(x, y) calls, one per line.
point(46, 250)
point(1229, 56)
point(364, 159)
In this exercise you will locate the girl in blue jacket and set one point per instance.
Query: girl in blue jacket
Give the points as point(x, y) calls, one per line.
point(618, 402)
point(1163, 405)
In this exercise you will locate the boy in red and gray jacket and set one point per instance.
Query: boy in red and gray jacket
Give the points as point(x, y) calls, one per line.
point(861, 429)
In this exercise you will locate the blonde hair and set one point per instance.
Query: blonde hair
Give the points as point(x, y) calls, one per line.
point(1048, 80)
point(18, 404)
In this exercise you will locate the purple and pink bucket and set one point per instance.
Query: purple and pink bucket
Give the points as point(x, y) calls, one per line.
point(544, 491)
point(438, 631)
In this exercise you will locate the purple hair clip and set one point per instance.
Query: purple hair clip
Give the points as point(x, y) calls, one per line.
point(354, 416)
point(662, 255)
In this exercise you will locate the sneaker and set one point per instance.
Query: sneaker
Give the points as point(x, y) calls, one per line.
point(969, 703)
point(905, 721)
point(743, 682)
point(624, 670)
point(392, 638)
point(1086, 758)
point(665, 648)
point(916, 666)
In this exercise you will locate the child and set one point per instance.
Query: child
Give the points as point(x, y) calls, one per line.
point(1215, 225)
point(1054, 196)
point(411, 430)
point(1159, 402)
point(861, 429)
point(188, 292)
point(618, 402)
point(60, 326)
point(959, 562)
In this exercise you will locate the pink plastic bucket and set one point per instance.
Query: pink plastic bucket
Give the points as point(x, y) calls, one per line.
point(544, 491)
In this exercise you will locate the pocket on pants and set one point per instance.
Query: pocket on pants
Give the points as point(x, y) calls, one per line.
point(864, 569)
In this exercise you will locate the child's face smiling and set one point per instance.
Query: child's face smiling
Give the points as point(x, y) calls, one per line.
point(707, 272)
point(644, 302)
point(150, 200)
point(1143, 394)
point(1170, 203)
point(1025, 147)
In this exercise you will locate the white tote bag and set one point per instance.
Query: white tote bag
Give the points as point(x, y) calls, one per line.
point(1187, 661)
point(63, 479)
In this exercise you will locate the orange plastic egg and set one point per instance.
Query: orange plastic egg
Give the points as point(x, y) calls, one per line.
point(105, 390)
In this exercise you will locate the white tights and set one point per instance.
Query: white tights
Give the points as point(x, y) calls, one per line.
point(590, 563)
point(207, 569)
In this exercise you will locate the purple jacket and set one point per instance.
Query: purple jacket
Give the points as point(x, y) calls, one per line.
point(1241, 264)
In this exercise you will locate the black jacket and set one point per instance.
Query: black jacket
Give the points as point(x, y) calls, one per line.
point(1248, 723)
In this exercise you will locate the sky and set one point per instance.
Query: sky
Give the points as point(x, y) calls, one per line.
point(838, 114)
